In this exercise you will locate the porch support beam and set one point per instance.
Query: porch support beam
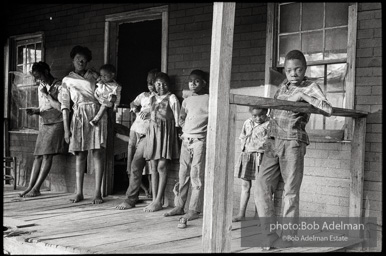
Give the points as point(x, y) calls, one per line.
point(217, 222)
point(357, 167)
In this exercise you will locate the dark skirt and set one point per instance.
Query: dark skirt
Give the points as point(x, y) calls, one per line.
point(50, 140)
point(162, 141)
point(248, 165)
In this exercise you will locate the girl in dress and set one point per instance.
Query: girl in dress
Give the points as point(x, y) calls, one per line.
point(50, 139)
point(161, 137)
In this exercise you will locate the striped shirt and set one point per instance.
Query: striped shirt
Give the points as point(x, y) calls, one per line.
point(290, 125)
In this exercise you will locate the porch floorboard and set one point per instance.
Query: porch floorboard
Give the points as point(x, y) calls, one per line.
point(52, 224)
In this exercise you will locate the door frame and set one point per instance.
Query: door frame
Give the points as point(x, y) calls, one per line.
point(112, 22)
point(153, 13)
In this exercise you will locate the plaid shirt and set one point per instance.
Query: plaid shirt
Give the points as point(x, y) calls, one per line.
point(290, 125)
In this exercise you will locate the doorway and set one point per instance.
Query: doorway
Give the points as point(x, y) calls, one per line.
point(135, 42)
point(139, 51)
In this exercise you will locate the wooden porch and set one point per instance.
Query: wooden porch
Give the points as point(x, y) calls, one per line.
point(50, 224)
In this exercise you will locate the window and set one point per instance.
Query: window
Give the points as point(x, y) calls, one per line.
point(24, 92)
point(323, 32)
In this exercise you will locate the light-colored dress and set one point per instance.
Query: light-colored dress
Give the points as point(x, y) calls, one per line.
point(161, 137)
point(80, 90)
point(50, 139)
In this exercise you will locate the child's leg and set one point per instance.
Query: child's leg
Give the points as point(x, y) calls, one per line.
point(34, 174)
point(183, 180)
point(80, 166)
point(45, 169)
point(135, 177)
point(197, 175)
point(98, 116)
point(154, 178)
point(144, 188)
point(244, 198)
point(131, 150)
point(99, 168)
point(163, 175)
point(149, 180)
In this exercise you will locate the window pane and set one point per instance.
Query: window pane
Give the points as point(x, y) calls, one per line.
point(38, 52)
point(336, 44)
point(336, 14)
point(312, 45)
point(29, 68)
point(336, 100)
point(289, 18)
point(335, 77)
point(286, 44)
point(20, 54)
point(312, 16)
point(316, 74)
point(315, 122)
point(335, 123)
point(30, 53)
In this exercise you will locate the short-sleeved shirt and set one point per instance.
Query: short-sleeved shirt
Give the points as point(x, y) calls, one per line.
point(143, 100)
point(49, 114)
point(289, 125)
point(104, 91)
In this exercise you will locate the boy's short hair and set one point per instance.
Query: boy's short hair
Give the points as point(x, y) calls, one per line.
point(262, 112)
point(40, 67)
point(162, 75)
point(296, 55)
point(109, 68)
point(81, 50)
point(201, 74)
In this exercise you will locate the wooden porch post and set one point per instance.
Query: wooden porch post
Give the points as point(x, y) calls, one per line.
point(216, 234)
point(108, 174)
point(357, 173)
point(357, 167)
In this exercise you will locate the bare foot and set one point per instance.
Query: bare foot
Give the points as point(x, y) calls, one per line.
point(97, 200)
point(153, 207)
point(191, 215)
point(174, 211)
point(25, 192)
point(124, 205)
point(33, 193)
point(77, 198)
point(238, 218)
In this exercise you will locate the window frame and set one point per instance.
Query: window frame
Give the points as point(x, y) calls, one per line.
point(272, 60)
point(11, 48)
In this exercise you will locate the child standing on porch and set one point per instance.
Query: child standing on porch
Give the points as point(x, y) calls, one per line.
point(285, 149)
point(108, 92)
point(161, 137)
point(136, 161)
point(50, 139)
point(141, 107)
point(194, 122)
point(253, 136)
